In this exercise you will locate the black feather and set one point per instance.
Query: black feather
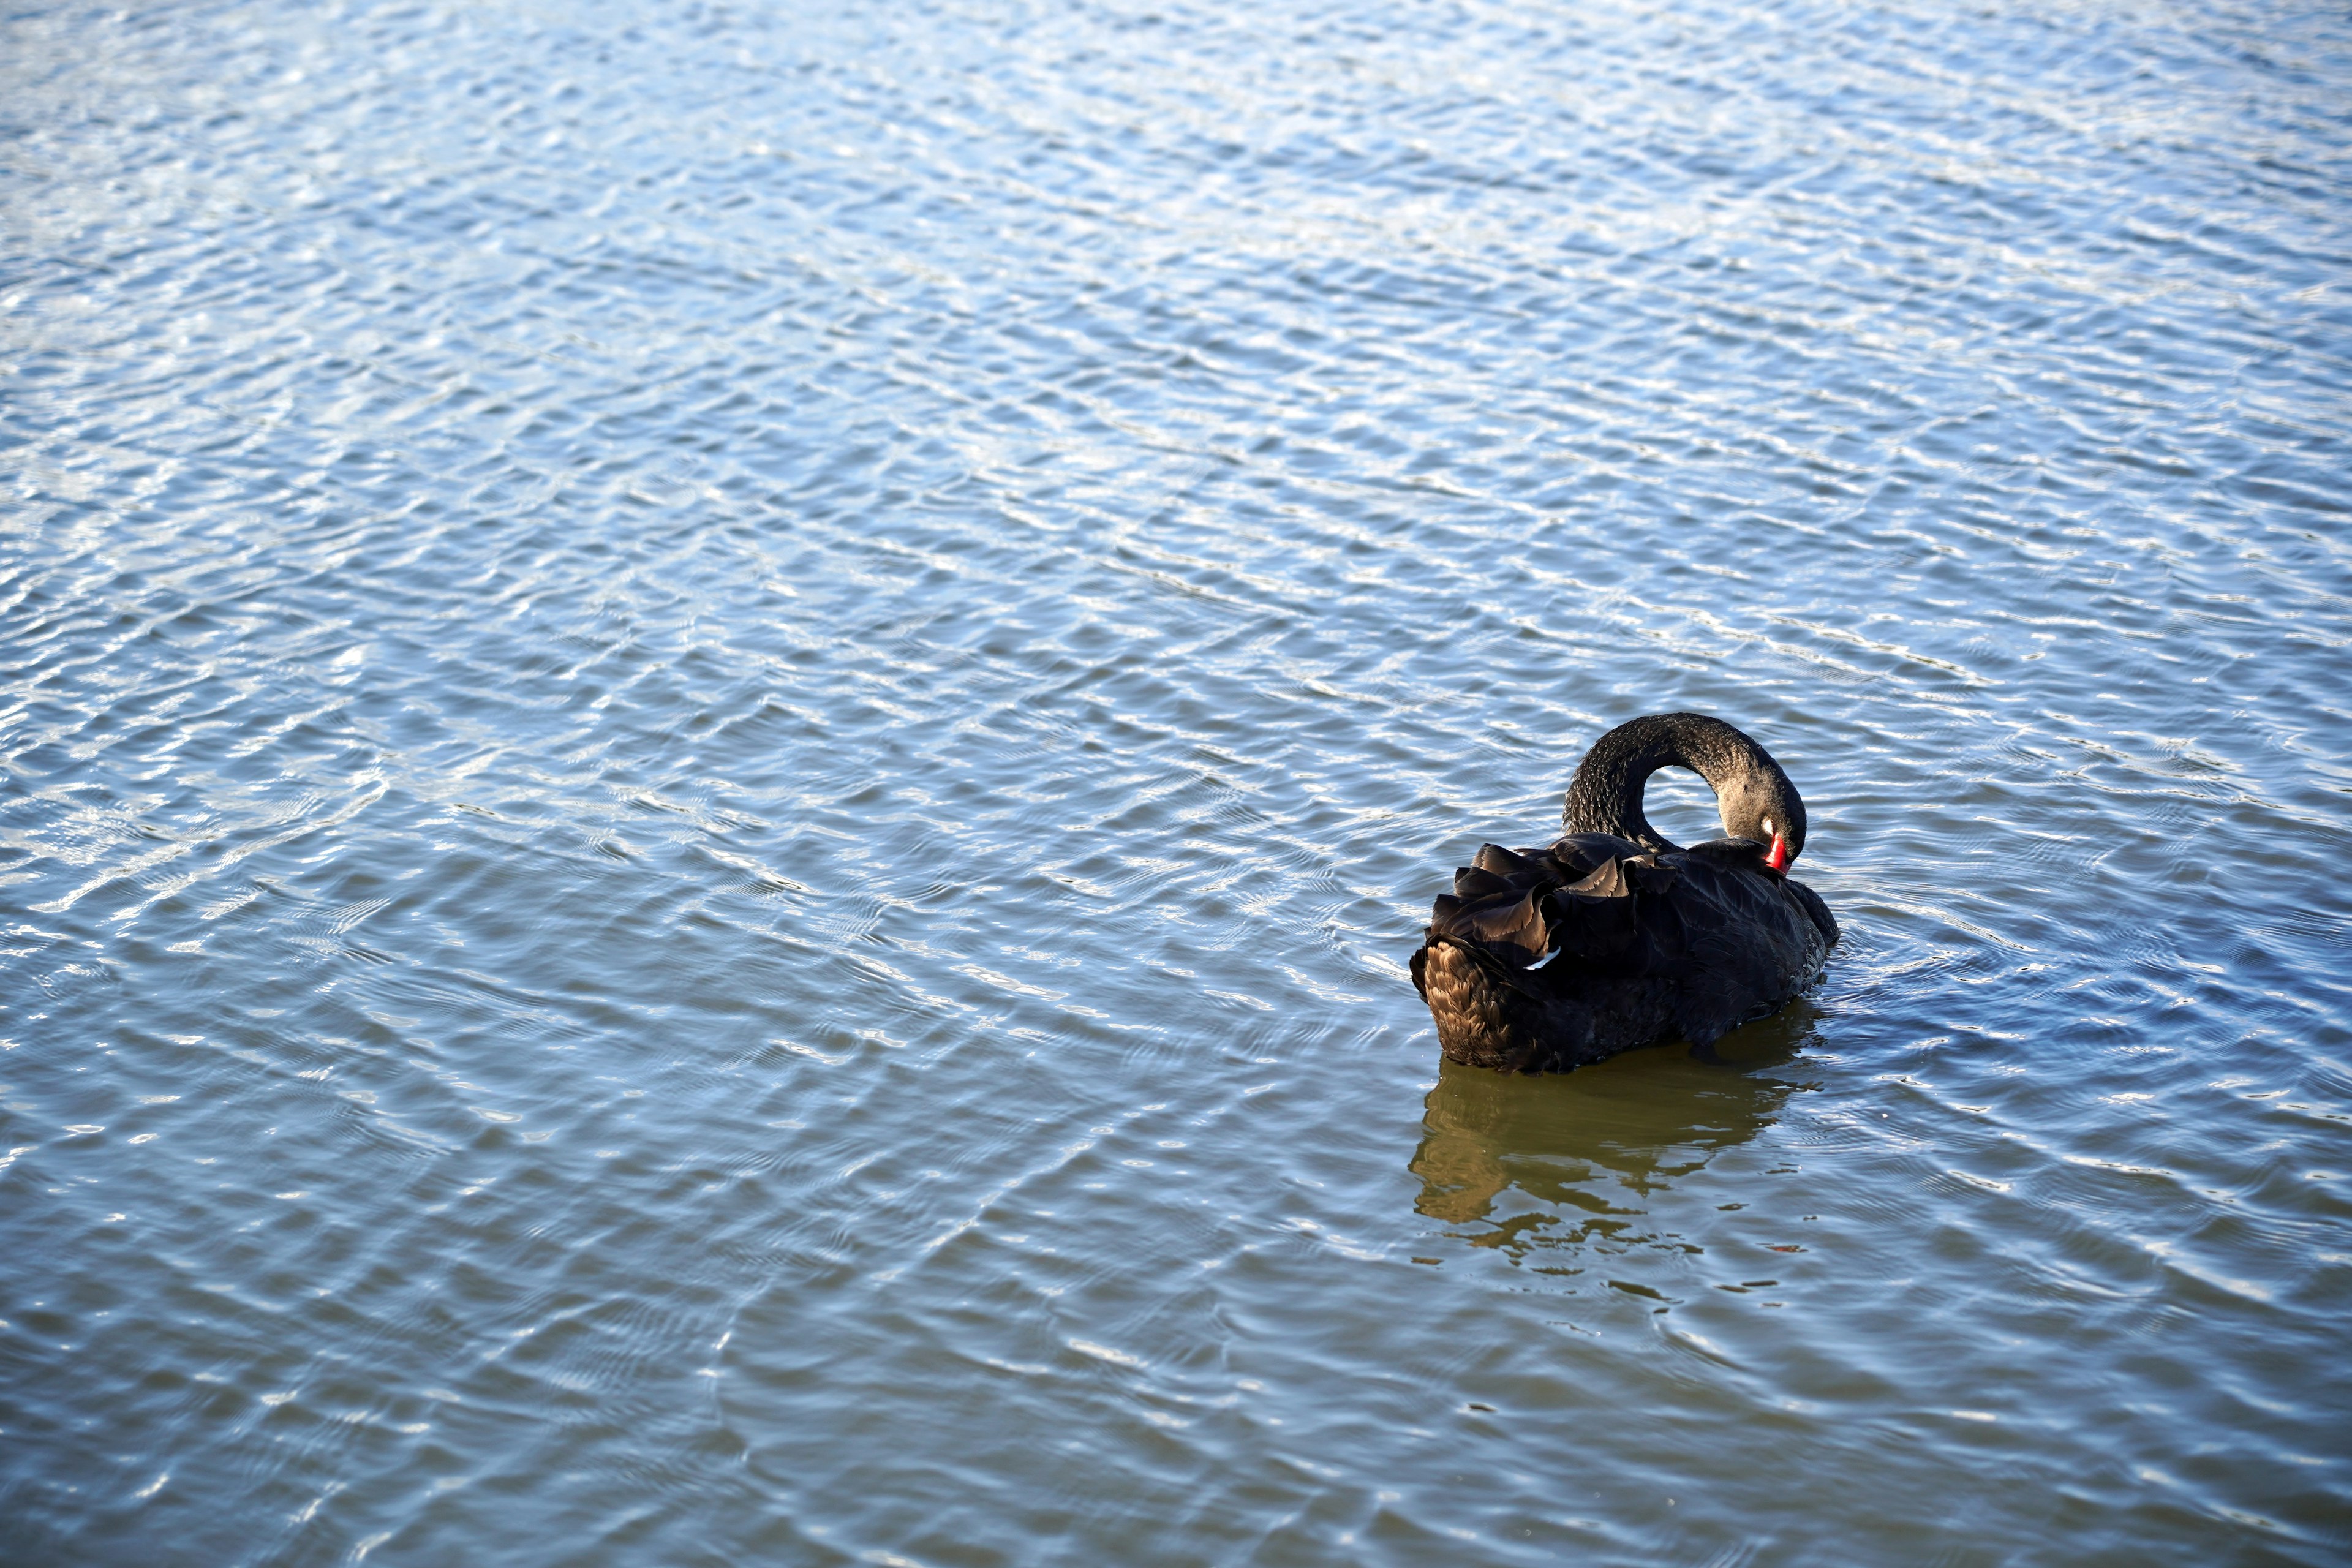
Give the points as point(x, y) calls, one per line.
point(1645, 940)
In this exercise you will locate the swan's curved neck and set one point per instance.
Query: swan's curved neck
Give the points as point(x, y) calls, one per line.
point(1606, 796)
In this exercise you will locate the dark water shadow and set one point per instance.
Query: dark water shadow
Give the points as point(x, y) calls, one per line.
point(1590, 1148)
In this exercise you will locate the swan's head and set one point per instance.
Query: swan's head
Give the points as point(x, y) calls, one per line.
point(1764, 805)
point(1752, 795)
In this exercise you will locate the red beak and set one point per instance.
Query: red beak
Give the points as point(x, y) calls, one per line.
point(1779, 858)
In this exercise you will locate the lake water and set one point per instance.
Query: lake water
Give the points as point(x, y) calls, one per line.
point(724, 724)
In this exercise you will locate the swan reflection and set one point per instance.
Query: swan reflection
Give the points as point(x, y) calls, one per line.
point(1590, 1148)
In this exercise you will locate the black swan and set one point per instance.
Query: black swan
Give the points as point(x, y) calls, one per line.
point(1645, 941)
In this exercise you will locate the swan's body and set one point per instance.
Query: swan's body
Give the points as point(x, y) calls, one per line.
point(1645, 941)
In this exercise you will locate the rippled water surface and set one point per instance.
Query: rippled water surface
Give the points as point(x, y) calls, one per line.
point(722, 727)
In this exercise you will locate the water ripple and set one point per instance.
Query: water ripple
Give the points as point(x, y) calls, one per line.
point(719, 729)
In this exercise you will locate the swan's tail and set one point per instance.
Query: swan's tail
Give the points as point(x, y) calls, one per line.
point(1486, 1017)
point(1542, 960)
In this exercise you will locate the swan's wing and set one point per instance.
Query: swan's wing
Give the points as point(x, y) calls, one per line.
point(1514, 904)
point(1735, 955)
point(1610, 913)
point(1580, 854)
point(1502, 862)
point(1596, 921)
point(1476, 884)
point(1609, 879)
point(1818, 911)
point(1511, 926)
point(1751, 946)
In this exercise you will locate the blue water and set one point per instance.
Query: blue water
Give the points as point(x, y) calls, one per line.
point(721, 727)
